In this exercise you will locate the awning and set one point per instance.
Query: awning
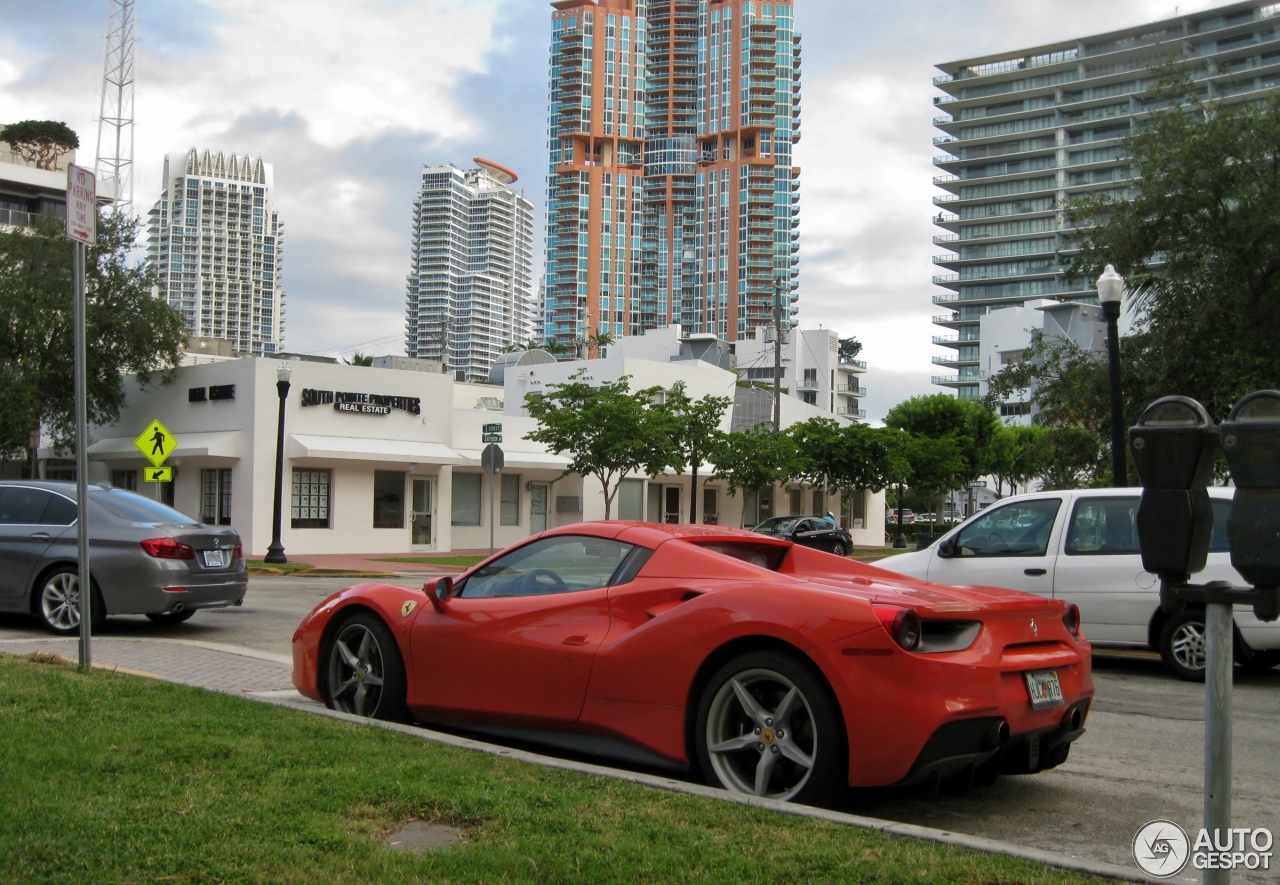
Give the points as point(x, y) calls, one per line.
point(346, 448)
point(522, 460)
point(220, 444)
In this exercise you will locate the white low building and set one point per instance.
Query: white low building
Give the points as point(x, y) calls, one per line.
point(383, 461)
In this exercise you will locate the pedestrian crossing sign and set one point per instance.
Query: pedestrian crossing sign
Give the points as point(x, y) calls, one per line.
point(156, 443)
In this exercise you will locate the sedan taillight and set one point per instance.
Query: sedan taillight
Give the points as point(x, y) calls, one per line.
point(903, 625)
point(238, 553)
point(168, 548)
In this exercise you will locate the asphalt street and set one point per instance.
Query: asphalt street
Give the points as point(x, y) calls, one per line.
point(1141, 758)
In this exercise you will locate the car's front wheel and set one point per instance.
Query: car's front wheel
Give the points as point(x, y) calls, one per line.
point(767, 725)
point(365, 670)
point(1183, 645)
point(57, 603)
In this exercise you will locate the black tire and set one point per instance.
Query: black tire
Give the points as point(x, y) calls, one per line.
point(838, 548)
point(1182, 645)
point(364, 679)
point(748, 740)
point(172, 617)
point(55, 602)
point(1257, 662)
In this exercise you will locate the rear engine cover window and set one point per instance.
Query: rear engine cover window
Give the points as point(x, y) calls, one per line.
point(768, 556)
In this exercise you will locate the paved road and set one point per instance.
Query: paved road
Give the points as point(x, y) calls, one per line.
point(1140, 760)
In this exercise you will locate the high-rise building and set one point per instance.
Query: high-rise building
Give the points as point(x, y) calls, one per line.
point(1027, 130)
point(671, 194)
point(217, 243)
point(471, 288)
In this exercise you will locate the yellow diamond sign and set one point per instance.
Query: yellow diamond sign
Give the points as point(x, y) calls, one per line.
point(156, 443)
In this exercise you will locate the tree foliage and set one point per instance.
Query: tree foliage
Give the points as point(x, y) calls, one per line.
point(128, 330)
point(693, 430)
point(752, 459)
point(849, 349)
point(360, 359)
point(607, 430)
point(40, 141)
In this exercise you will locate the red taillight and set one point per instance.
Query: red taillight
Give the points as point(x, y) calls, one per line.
point(902, 623)
point(238, 553)
point(167, 548)
point(1072, 619)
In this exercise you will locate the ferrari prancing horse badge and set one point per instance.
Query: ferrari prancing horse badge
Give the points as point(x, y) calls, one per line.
point(407, 608)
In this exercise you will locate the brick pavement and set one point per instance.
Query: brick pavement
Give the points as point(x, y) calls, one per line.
point(203, 665)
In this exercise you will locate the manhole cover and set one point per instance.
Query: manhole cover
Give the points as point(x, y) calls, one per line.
point(418, 836)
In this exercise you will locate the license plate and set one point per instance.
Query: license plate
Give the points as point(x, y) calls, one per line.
point(217, 559)
point(1044, 688)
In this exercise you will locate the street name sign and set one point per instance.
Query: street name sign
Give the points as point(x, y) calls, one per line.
point(158, 474)
point(156, 443)
point(82, 205)
point(491, 438)
point(978, 484)
point(492, 428)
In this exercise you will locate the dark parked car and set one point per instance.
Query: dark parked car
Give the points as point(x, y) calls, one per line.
point(145, 558)
point(810, 531)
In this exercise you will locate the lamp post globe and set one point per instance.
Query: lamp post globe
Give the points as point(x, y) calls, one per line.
point(275, 553)
point(1110, 292)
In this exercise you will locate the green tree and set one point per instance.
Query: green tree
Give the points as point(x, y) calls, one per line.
point(359, 359)
point(1074, 458)
point(693, 428)
point(969, 425)
point(753, 459)
point(40, 141)
point(554, 347)
point(849, 349)
point(127, 330)
point(607, 430)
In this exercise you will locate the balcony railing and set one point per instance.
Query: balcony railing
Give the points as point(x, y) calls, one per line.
point(851, 412)
point(851, 389)
point(857, 364)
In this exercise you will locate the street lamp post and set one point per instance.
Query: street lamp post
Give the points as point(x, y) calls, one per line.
point(1110, 291)
point(275, 553)
point(777, 354)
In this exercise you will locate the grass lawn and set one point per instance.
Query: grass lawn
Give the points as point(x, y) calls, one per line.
point(284, 568)
point(113, 778)
point(464, 561)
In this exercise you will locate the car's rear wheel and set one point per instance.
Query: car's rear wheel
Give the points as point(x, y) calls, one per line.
point(1183, 645)
point(57, 603)
point(767, 725)
point(365, 670)
point(839, 549)
point(172, 617)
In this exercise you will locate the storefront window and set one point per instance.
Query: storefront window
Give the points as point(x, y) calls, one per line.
point(710, 509)
point(631, 499)
point(311, 501)
point(125, 479)
point(388, 500)
point(466, 499)
point(510, 499)
point(215, 497)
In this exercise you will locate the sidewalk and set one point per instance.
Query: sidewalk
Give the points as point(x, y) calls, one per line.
point(376, 562)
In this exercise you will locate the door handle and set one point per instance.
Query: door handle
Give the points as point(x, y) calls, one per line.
point(41, 536)
point(575, 640)
point(1035, 572)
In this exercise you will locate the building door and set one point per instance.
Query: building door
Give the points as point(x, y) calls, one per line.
point(539, 494)
point(671, 505)
point(420, 515)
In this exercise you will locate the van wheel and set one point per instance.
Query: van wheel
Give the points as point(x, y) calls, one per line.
point(1183, 645)
point(1257, 661)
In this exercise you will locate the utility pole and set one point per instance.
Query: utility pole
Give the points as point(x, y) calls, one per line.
point(114, 164)
point(777, 356)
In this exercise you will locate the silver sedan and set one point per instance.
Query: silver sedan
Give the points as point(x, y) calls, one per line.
point(144, 558)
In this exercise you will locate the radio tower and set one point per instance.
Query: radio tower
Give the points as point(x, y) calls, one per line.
point(114, 164)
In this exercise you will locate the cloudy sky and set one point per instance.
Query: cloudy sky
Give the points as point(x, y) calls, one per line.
point(349, 98)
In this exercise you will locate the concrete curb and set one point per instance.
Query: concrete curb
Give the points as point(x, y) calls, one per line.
point(197, 643)
point(893, 828)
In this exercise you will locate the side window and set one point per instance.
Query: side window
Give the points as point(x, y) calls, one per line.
point(1019, 529)
point(60, 511)
point(22, 506)
point(1103, 526)
point(1218, 541)
point(562, 564)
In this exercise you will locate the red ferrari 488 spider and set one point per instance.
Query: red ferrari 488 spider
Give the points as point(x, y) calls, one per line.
point(771, 668)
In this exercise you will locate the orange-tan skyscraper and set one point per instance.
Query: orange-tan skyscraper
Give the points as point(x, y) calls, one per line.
point(671, 191)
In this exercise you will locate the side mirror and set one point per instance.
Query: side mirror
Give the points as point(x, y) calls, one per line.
point(947, 548)
point(439, 591)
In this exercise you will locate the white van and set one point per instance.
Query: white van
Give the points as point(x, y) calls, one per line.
point(1082, 546)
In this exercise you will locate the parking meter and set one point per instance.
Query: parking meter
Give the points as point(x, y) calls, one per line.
point(1251, 442)
point(1175, 446)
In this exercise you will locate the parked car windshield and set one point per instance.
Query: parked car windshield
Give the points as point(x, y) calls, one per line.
point(135, 508)
point(1018, 529)
point(779, 525)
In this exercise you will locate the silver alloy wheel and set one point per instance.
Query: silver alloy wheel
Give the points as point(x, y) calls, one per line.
point(1188, 645)
point(838, 549)
point(761, 735)
point(356, 671)
point(60, 601)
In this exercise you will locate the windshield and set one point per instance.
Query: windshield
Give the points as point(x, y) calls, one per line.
point(779, 525)
point(135, 508)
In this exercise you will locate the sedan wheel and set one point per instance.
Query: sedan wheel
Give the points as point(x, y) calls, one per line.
point(1183, 645)
point(58, 603)
point(366, 672)
point(768, 727)
point(838, 549)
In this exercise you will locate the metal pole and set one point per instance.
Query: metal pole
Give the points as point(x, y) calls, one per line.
point(900, 541)
point(777, 356)
point(1119, 468)
point(275, 552)
point(1217, 729)
point(493, 517)
point(84, 582)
